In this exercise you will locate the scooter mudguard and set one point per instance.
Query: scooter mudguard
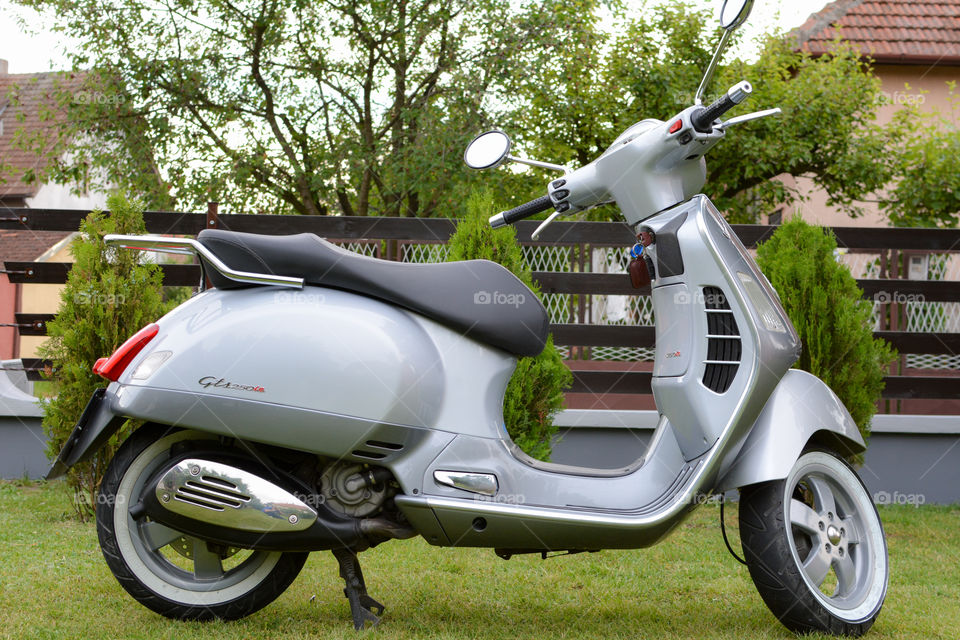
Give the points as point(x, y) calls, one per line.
point(801, 411)
point(95, 426)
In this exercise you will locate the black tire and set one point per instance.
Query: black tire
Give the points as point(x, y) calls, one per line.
point(801, 534)
point(156, 577)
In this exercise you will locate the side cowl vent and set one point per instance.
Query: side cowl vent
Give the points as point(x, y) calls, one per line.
point(723, 341)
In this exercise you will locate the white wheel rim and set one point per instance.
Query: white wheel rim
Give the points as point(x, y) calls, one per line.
point(844, 535)
point(152, 569)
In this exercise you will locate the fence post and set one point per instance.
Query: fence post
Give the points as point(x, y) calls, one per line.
point(213, 217)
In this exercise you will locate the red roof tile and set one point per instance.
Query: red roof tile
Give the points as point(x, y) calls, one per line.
point(26, 103)
point(27, 246)
point(889, 31)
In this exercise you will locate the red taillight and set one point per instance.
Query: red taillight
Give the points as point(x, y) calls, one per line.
point(111, 368)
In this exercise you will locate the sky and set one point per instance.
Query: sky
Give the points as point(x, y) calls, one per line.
point(34, 49)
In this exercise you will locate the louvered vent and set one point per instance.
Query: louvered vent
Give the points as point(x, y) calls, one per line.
point(723, 341)
point(211, 492)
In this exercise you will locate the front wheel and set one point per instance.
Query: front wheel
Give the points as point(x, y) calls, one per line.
point(815, 547)
point(174, 574)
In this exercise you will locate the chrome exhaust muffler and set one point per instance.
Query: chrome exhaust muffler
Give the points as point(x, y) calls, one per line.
point(225, 496)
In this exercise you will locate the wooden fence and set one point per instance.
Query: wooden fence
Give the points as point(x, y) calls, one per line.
point(889, 243)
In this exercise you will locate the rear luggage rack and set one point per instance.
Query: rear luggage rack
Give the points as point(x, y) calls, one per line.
point(188, 246)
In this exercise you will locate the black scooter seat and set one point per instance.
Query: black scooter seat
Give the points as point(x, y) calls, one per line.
point(478, 298)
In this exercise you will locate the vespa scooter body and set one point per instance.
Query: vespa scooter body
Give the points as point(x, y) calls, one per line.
point(314, 399)
point(351, 377)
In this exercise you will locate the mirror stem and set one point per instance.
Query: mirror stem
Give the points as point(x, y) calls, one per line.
point(537, 163)
point(708, 74)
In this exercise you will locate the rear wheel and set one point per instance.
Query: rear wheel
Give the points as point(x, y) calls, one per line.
point(815, 547)
point(177, 575)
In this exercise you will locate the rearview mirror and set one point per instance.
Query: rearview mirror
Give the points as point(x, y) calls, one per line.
point(488, 150)
point(733, 13)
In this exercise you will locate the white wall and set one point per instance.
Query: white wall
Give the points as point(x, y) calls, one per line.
point(58, 196)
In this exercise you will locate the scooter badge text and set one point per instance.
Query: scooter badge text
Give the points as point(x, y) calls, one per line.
point(220, 383)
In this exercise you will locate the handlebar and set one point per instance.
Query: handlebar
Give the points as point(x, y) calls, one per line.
point(525, 210)
point(703, 119)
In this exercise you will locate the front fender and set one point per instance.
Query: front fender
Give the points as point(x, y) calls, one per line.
point(802, 409)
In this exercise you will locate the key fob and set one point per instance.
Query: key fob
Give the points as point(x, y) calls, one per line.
point(639, 274)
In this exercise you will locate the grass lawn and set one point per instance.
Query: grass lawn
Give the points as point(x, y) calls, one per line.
point(55, 584)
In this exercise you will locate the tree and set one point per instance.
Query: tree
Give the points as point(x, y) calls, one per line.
point(286, 105)
point(598, 83)
point(108, 297)
point(364, 108)
point(832, 319)
point(535, 392)
point(926, 192)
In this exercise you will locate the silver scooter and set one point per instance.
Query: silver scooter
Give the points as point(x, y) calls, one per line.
point(315, 399)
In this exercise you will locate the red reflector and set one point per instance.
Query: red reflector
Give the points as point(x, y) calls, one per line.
point(676, 126)
point(111, 368)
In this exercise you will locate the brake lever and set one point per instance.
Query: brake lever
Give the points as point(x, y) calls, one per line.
point(747, 117)
point(543, 225)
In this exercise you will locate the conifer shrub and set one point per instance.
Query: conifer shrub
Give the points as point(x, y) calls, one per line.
point(834, 322)
point(109, 296)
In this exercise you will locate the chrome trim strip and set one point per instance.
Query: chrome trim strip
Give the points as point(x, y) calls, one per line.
point(189, 246)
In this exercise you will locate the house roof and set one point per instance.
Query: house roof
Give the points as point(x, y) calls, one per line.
point(889, 31)
point(27, 246)
point(28, 102)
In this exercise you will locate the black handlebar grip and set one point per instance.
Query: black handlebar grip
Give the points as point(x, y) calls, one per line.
point(525, 210)
point(703, 119)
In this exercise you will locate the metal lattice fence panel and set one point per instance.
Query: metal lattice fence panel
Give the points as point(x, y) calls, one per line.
point(936, 317)
point(598, 309)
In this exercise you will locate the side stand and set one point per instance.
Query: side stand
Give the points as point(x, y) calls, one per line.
point(363, 608)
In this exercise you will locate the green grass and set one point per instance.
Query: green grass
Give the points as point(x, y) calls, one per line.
point(44, 389)
point(55, 584)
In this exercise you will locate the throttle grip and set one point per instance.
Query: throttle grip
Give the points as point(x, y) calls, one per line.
point(525, 210)
point(703, 119)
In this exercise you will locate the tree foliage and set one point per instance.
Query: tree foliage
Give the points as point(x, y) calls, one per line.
point(833, 321)
point(600, 82)
point(363, 108)
point(109, 296)
point(535, 392)
point(926, 192)
point(285, 105)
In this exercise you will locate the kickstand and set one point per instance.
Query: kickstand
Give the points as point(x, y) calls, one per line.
point(362, 606)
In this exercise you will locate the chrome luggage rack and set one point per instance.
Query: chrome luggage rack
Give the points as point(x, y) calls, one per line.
point(189, 246)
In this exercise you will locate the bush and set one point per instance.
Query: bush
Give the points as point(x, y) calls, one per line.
point(535, 392)
point(833, 320)
point(108, 297)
